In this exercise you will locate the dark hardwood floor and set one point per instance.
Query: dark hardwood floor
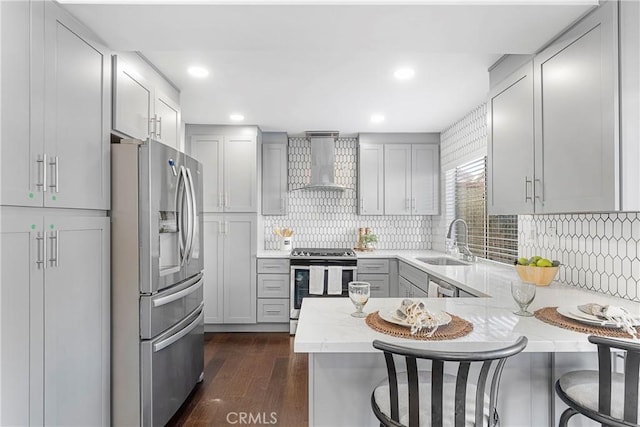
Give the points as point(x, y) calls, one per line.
point(249, 379)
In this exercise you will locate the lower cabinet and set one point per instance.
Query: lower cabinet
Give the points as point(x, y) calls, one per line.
point(412, 282)
point(273, 290)
point(230, 268)
point(376, 272)
point(54, 319)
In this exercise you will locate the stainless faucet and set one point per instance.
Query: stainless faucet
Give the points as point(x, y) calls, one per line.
point(464, 249)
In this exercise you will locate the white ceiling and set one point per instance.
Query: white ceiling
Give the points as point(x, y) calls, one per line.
point(297, 67)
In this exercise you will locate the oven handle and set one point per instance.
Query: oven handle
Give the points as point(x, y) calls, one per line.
point(306, 267)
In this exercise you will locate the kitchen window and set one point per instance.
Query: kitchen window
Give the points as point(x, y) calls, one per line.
point(493, 237)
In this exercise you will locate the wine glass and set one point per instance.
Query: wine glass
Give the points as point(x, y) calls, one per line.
point(523, 293)
point(359, 293)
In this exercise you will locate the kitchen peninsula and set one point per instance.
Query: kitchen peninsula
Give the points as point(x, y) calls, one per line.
point(344, 367)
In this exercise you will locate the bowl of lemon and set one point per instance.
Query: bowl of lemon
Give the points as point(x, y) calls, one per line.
point(538, 270)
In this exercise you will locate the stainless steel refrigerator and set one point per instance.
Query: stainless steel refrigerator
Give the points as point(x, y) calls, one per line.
point(157, 297)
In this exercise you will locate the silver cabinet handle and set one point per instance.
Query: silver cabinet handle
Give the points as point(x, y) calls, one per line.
point(413, 203)
point(42, 248)
point(152, 126)
point(406, 204)
point(535, 195)
point(159, 122)
point(220, 200)
point(55, 246)
point(54, 164)
point(273, 311)
point(42, 172)
point(159, 302)
point(527, 181)
point(173, 338)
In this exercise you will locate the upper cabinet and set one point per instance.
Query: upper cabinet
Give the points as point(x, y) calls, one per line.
point(274, 173)
point(560, 124)
point(56, 80)
point(229, 156)
point(576, 132)
point(145, 105)
point(371, 179)
point(398, 174)
point(510, 113)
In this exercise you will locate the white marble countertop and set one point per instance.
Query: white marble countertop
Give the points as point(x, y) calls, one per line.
point(273, 254)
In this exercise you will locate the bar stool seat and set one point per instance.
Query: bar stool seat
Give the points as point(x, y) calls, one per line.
point(608, 397)
point(381, 395)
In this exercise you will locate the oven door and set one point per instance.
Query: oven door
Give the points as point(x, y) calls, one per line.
point(300, 286)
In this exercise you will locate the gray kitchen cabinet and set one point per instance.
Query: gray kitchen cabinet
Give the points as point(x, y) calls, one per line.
point(273, 290)
point(141, 108)
point(412, 282)
point(370, 179)
point(230, 268)
point(167, 120)
point(274, 173)
point(411, 179)
point(576, 109)
point(58, 77)
point(404, 288)
point(132, 100)
point(230, 177)
point(55, 364)
point(511, 144)
point(376, 272)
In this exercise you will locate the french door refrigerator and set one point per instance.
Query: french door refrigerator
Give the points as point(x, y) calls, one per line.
point(157, 297)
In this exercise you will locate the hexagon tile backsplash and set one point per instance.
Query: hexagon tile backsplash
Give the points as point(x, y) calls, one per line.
point(329, 218)
point(600, 252)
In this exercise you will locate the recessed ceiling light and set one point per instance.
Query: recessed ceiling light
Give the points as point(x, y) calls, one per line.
point(198, 72)
point(404, 73)
point(377, 118)
point(236, 117)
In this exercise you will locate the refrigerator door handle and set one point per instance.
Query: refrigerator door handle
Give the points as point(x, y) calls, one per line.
point(180, 195)
point(189, 217)
point(194, 210)
point(173, 338)
point(197, 284)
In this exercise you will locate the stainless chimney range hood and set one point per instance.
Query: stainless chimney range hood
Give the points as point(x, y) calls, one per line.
point(323, 161)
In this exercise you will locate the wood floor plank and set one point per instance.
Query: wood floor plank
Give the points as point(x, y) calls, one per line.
point(251, 375)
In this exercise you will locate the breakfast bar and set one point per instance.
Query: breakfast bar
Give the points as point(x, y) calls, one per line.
point(344, 367)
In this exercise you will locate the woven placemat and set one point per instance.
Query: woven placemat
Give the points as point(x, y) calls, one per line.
point(551, 316)
point(458, 327)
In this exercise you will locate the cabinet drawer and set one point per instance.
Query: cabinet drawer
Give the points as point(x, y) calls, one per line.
point(414, 275)
point(273, 265)
point(380, 266)
point(273, 285)
point(379, 284)
point(273, 310)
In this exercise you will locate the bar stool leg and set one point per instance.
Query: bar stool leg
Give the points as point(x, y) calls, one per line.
point(564, 418)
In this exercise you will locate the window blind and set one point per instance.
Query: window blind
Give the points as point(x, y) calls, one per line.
point(492, 237)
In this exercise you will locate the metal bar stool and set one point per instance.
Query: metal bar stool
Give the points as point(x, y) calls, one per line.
point(616, 403)
point(435, 398)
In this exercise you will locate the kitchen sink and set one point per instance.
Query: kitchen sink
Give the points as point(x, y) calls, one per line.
point(441, 260)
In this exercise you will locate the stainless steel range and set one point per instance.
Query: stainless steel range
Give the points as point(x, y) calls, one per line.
point(319, 273)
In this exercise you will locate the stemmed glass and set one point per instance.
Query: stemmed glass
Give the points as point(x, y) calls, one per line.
point(359, 293)
point(523, 293)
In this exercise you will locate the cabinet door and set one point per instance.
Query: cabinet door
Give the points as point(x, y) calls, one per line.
point(239, 168)
point(207, 149)
point(379, 284)
point(167, 121)
point(21, 143)
point(77, 114)
point(76, 318)
point(425, 179)
point(371, 179)
point(510, 116)
point(404, 287)
point(21, 319)
point(577, 134)
point(274, 179)
point(213, 277)
point(132, 100)
point(417, 292)
point(397, 179)
point(239, 271)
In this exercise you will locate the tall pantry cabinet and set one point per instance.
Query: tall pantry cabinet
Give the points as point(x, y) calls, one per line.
point(229, 155)
point(54, 232)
